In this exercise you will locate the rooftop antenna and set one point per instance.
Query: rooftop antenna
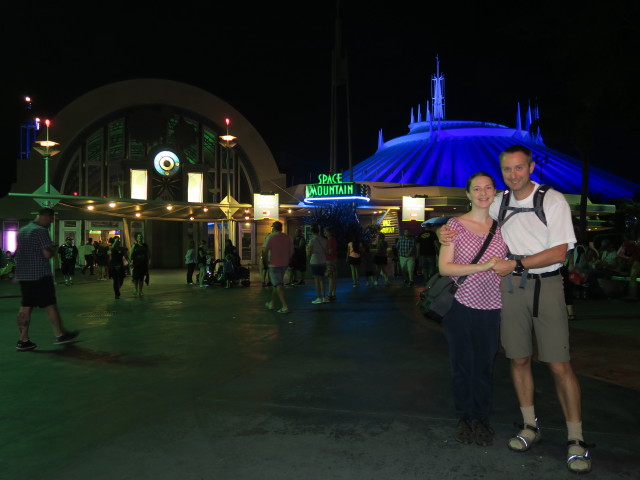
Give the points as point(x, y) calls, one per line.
point(437, 93)
point(528, 120)
point(339, 90)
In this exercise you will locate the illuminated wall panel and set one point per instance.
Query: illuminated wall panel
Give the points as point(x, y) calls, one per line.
point(195, 187)
point(139, 184)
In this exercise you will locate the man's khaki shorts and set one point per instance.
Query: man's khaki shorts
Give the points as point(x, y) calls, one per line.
point(550, 327)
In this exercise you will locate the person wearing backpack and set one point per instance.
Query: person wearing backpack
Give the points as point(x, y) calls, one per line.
point(533, 298)
point(139, 258)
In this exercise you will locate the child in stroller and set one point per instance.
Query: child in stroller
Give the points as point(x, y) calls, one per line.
point(228, 273)
point(8, 265)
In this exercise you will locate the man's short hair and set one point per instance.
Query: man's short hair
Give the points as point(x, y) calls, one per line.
point(517, 149)
point(46, 211)
point(277, 226)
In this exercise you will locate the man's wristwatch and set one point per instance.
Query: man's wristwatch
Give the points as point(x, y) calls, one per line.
point(519, 267)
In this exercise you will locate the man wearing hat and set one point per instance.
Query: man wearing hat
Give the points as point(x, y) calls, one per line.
point(278, 250)
point(33, 271)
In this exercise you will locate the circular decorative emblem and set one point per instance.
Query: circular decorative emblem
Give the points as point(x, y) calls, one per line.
point(166, 163)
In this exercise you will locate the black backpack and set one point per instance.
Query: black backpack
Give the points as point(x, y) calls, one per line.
point(538, 197)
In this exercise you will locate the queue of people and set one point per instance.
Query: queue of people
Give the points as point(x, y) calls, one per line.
point(371, 258)
point(109, 258)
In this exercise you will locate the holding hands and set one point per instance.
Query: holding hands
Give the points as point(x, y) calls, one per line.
point(503, 267)
point(489, 265)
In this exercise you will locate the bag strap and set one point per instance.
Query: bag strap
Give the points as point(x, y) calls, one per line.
point(487, 241)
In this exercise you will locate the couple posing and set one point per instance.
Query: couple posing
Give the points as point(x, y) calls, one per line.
point(509, 298)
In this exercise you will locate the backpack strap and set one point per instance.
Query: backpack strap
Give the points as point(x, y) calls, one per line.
point(506, 195)
point(538, 197)
point(506, 211)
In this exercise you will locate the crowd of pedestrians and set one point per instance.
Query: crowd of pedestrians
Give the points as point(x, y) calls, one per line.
point(511, 291)
point(109, 258)
point(371, 258)
point(513, 274)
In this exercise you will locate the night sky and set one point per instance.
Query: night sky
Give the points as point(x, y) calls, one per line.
point(272, 62)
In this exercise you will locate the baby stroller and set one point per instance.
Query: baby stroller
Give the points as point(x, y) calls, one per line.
point(242, 276)
point(8, 269)
point(216, 274)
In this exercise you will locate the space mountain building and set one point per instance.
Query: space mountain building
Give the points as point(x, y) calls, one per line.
point(440, 152)
point(422, 175)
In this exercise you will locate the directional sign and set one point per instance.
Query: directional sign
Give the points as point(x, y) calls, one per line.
point(45, 199)
point(227, 205)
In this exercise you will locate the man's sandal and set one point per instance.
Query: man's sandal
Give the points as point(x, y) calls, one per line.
point(579, 462)
point(521, 442)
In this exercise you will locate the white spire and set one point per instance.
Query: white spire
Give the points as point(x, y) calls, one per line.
point(518, 120)
point(536, 122)
point(380, 140)
point(411, 119)
point(419, 114)
point(527, 125)
point(437, 93)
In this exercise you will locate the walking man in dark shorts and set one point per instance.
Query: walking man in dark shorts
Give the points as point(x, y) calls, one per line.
point(278, 249)
point(33, 271)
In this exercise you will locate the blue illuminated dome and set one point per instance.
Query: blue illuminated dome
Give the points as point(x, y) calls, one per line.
point(445, 153)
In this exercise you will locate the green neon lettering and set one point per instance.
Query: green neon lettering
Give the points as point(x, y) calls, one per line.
point(329, 189)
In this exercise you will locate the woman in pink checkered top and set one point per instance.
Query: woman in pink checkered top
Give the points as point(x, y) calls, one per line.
point(472, 325)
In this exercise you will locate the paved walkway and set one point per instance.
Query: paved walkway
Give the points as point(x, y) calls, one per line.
point(189, 383)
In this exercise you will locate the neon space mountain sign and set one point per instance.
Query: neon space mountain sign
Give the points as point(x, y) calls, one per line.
point(331, 188)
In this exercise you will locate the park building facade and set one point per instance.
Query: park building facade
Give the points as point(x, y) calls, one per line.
point(146, 156)
point(159, 157)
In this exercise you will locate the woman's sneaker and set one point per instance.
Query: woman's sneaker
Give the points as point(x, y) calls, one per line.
point(464, 431)
point(483, 433)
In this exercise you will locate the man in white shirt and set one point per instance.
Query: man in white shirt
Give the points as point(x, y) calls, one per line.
point(88, 252)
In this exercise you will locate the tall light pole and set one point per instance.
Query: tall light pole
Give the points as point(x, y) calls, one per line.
point(227, 143)
point(47, 150)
